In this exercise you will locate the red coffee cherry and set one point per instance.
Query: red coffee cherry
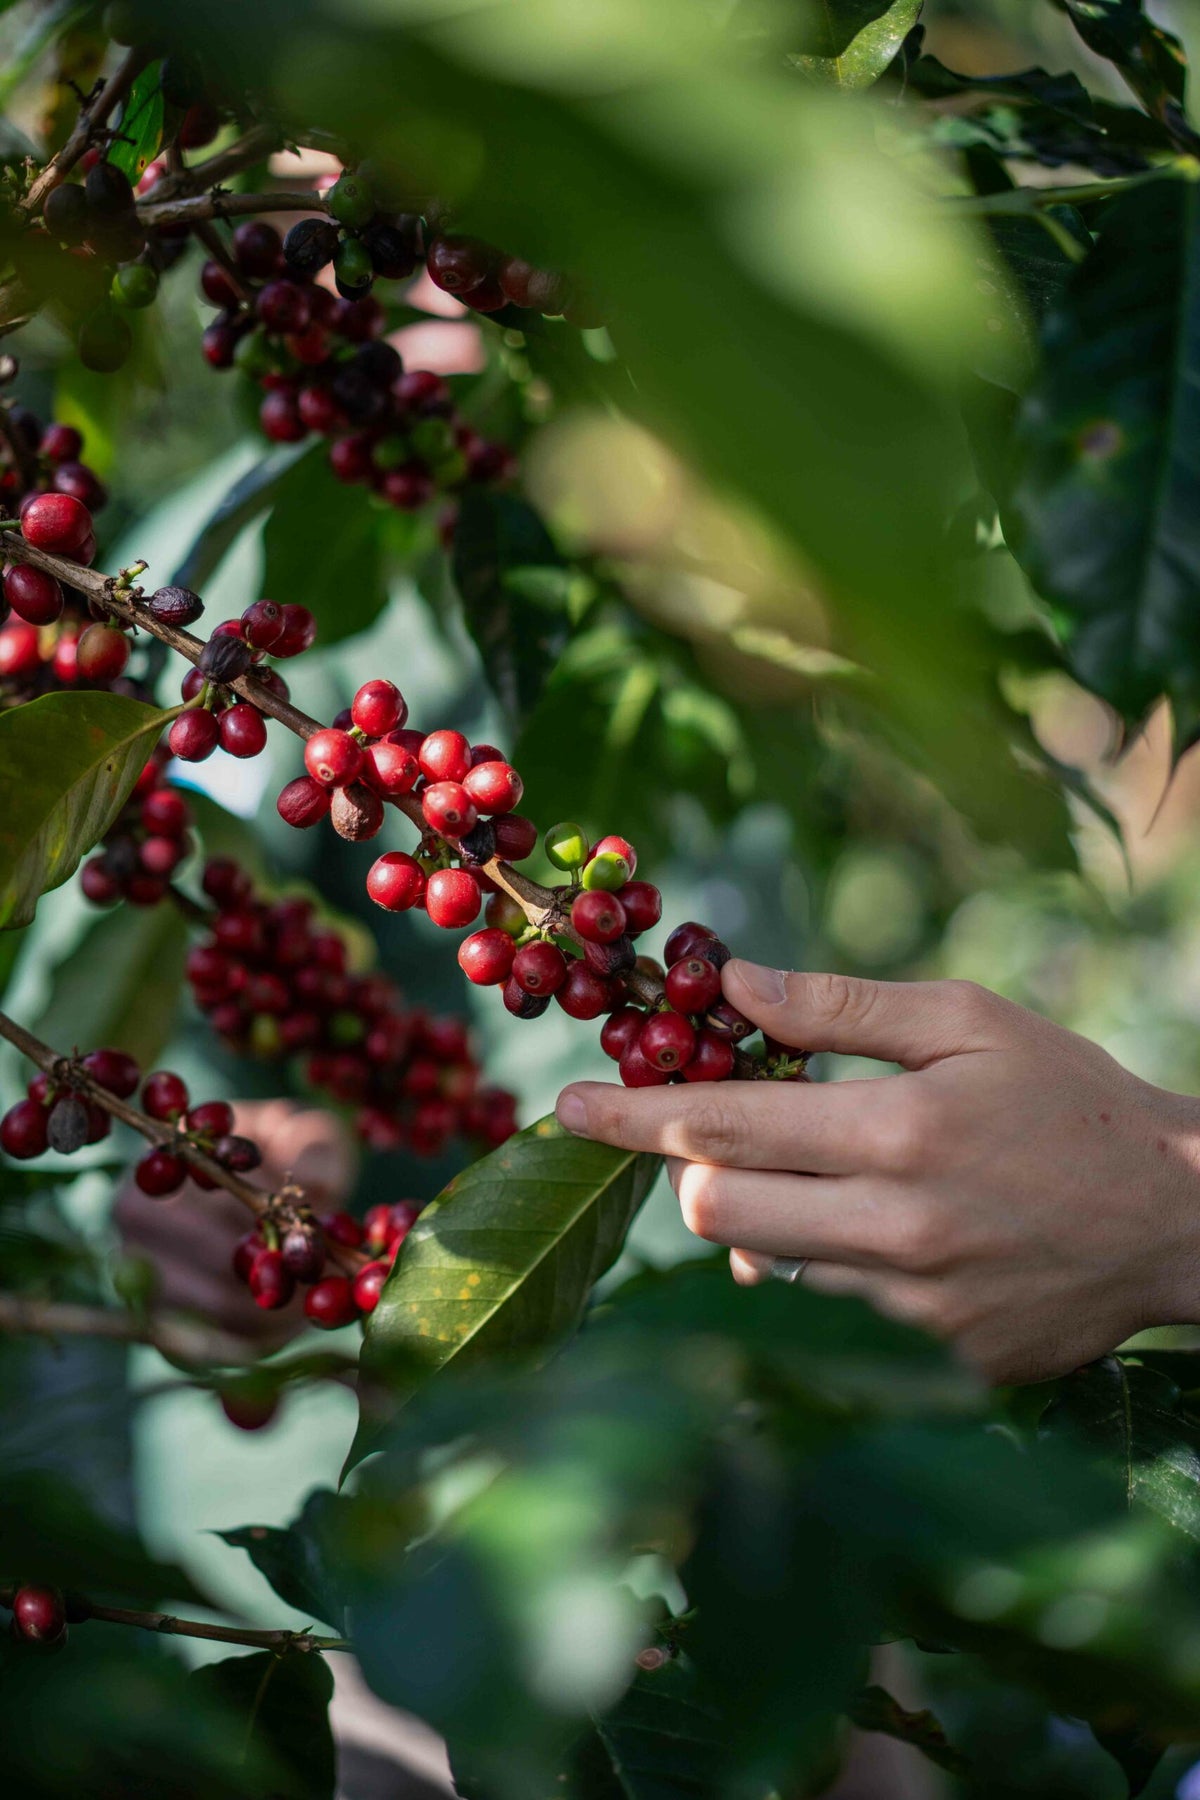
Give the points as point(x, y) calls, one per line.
point(303, 1252)
point(299, 630)
point(332, 757)
point(263, 625)
point(521, 1004)
point(486, 957)
point(212, 1118)
point(283, 306)
point(686, 941)
point(61, 443)
point(164, 1095)
point(712, 1059)
point(516, 837)
point(165, 812)
point(101, 653)
point(667, 1041)
point(598, 917)
point(617, 846)
point(116, 1072)
point(279, 419)
point(99, 886)
point(194, 735)
point(368, 1285)
point(39, 1616)
point(20, 653)
point(495, 787)
point(449, 809)
point(643, 906)
point(23, 1130)
point(584, 994)
point(344, 1229)
point(303, 802)
point(160, 1172)
point(444, 756)
point(56, 522)
point(390, 768)
point(257, 247)
point(727, 1022)
point(540, 968)
point(271, 1282)
point(33, 595)
point(396, 881)
point(458, 264)
point(452, 898)
point(636, 1071)
point(378, 707)
point(620, 1030)
point(692, 985)
point(331, 1303)
point(243, 730)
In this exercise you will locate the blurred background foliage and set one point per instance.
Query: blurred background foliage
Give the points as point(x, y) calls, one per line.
point(843, 736)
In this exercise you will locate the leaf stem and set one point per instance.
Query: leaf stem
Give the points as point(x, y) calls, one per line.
point(1025, 202)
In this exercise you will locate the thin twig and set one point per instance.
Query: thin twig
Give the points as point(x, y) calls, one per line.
point(175, 1335)
point(253, 146)
point(189, 209)
point(285, 1642)
point(106, 96)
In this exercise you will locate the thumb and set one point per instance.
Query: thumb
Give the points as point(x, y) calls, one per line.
point(910, 1022)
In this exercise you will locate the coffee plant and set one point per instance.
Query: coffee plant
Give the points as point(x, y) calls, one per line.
point(545, 498)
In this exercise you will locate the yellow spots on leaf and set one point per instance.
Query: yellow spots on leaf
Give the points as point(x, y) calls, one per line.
point(473, 1280)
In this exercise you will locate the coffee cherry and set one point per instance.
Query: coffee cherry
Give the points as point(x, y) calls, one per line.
point(33, 595)
point(495, 787)
point(643, 906)
point(308, 246)
point(23, 1130)
point(194, 735)
point(39, 1616)
point(356, 813)
point(303, 1252)
point(449, 809)
point(270, 1281)
point(344, 1229)
point(444, 756)
point(692, 985)
point(620, 1030)
point(225, 881)
point(567, 846)
point(116, 1072)
point(617, 846)
point(368, 1285)
point(521, 1004)
point(727, 1022)
point(164, 1096)
point(390, 768)
point(19, 652)
point(76, 479)
point(218, 344)
point(213, 1118)
point(486, 957)
point(256, 247)
point(263, 625)
point(457, 264)
point(378, 707)
point(99, 887)
point(606, 873)
point(66, 212)
point(299, 630)
point(712, 1059)
point(539, 968)
point(102, 653)
point(610, 959)
point(351, 201)
point(515, 837)
point(250, 1405)
point(57, 523)
point(283, 306)
point(686, 941)
point(225, 657)
point(452, 898)
point(136, 285)
point(68, 1124)
point(396, 881)
point(61, 443)
point(599, 917)
point(350, 458)
point(584, 994)
point(331, 1303)
point(352, 268)
point(332, 757)
point(506, 914)
point(636, 1071)
point(160, 1172)
point(667, 1041)
point(243, 730)
point(280, 419)
point(217, 285)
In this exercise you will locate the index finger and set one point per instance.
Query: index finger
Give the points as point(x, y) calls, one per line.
point(820, 1128)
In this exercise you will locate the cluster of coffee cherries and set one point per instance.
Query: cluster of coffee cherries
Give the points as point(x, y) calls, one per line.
point(274, 982)
point(56, 1115)
point(280, 1255)
point(115, 262)
point(485, 279)
point(145, 844)
point(324, 366)
point(217, 717)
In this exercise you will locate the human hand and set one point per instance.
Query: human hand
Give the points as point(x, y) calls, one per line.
point(1014, 1191)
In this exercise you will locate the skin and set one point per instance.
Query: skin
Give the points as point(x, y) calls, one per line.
point(1013, 1190)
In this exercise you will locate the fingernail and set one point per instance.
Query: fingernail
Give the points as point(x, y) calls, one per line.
point(765, 984)
point(572, 1114)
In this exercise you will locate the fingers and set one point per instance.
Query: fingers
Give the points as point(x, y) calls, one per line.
point(824, 1127)
point(749, 1267)
point(912, 1023)
point(838, 1220)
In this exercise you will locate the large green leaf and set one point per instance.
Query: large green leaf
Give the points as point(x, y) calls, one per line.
point(662, 1741)
point(282, 1703)
point(1105, 504)
point(293, 1558)
point(1150, 59)
point(140, 131)
point(69, 762)
point(877, 1710)
point(513, 586)
point(856, 40)
point(248, 498)
point(120, 986)
point(324, 546)
point(503, 1260)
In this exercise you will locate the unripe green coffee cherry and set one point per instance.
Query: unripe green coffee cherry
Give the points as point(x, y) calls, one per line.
point(135, 285)
point(607, 872)
point(352, 264)
point(264, 1035)
point(567, 845)
point(390, 452)
point(351, 201)
point(433, 438)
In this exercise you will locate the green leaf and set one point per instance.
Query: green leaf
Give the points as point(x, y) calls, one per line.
point(121, 984)
point(661, 1742)
point(246, 500)
point(70, 762)
point(283, 1703)
point(293, 1559)
point(877, 1710)
point(858, 40)
point(323, 546)
point(513, 586)
point(1129, 1422)
point(503, 1260)
point(139, 134)
point(1149, 58)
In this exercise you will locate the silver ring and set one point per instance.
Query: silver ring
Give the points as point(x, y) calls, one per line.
point(789, 1268)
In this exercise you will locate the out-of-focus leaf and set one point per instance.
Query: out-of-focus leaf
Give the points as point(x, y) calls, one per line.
point(294, 1559)
point(512, 582)
point(504, 1259)
point(857, 40)
point(1149, 57)
point(120, 986)
point(49, 1531)
point(282, 1703)
point(139, 132)
point(877, 1710)
point(247, 499)
point(69, 763)
point(1106, 495)
point(662, 1741)
point(323, 547)
point(1137, 1753)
